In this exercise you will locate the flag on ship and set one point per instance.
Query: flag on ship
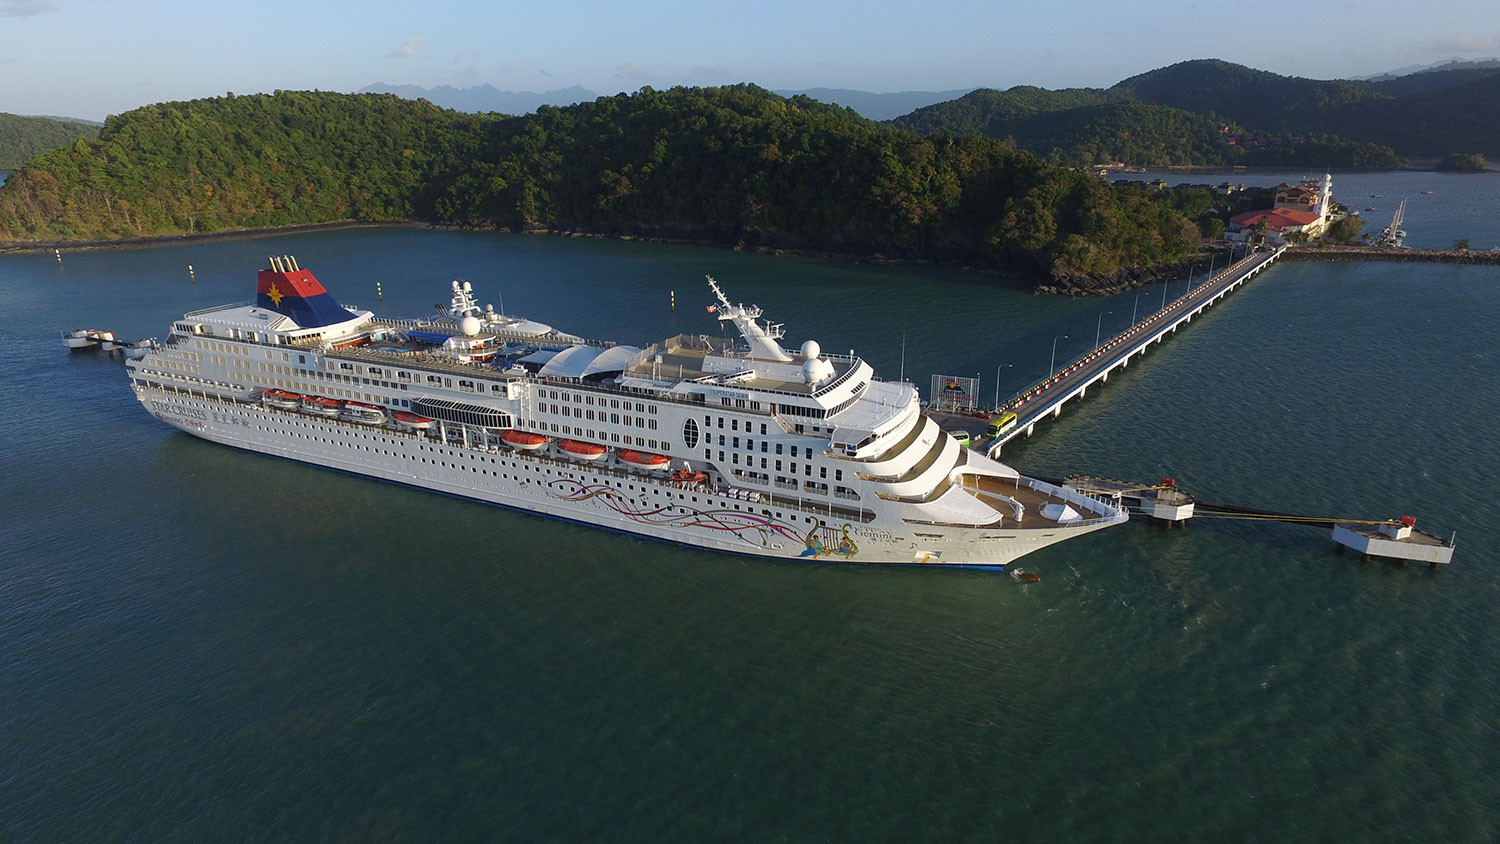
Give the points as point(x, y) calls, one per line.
point(295, 293)
point(712, 309)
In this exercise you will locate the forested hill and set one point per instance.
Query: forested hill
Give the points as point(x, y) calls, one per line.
point(1420, 114)
point(23, 137)
point(1208, 111)
point(734, 165)
point(1091, 126)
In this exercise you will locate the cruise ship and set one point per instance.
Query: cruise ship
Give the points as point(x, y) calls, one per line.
point(731, 445)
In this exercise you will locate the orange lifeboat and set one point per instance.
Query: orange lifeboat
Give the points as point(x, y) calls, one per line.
point(582, 450)
point(641, 458)
point(408, 421)
point(683, 476)
point(282, 399)
point(523, 440)
point(320, 406)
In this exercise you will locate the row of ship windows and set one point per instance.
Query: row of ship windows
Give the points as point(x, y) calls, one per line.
point(807, 468)
point(782, 482)
point(583, 413)
point(496, 461)
point(580, 398)
point(334, 392)
point(401, 382)
point(591, 434)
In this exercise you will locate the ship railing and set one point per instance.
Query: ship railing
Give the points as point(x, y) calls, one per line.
point(202, 311)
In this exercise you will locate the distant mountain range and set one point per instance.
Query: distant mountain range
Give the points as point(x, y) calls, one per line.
point(482, 98)
point(1287, 118)
point(1450, 64)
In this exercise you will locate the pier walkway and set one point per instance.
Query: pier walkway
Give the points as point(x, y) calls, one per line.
point(1044, 399)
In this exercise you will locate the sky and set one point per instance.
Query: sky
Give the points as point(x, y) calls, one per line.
point(92, 58)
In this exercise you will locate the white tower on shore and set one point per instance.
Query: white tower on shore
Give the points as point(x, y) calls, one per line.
point(1325, 201)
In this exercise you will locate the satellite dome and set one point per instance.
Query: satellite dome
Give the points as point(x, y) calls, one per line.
point(469, 325)
point(816, 370)
point(811, 349)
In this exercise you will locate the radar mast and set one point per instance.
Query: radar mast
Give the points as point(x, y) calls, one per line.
point(762, 340)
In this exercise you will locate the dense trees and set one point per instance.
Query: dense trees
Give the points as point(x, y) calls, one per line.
point(207, 165)
point(1092, 126)
point(731, 165)
point(24, 137)
point(1463, 163)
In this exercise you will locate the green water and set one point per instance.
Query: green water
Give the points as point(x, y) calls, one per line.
point(201, 644)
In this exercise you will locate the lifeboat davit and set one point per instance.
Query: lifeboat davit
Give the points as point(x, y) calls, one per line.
point(282, 399)
point(581, 450)
point(523, 440)
point(641, 458)
point(320, 406)
point(408, 421)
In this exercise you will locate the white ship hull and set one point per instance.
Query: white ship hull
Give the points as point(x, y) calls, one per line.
point(791, 455)
point(611, 497)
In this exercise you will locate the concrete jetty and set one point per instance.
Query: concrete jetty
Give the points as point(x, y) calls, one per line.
point(1391, 253)
point(1044, 399)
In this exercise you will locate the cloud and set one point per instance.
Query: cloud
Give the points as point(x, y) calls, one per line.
point(1475, 44)
point(409, 47)
point(25, 8)
point(630, 70)
point(515, 64)
point(545, 73)
point(717, 71)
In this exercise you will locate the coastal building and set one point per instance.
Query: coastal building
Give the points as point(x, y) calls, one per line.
point(1301, 210)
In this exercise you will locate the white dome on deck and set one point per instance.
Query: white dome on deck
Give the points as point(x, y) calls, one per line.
point(816, 370)
point(469, 325)
point(811, 349)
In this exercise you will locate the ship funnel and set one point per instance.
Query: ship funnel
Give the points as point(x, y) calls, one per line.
point(293, 259)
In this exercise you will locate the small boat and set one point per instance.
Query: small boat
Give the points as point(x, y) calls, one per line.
point(1427, 193)
point(362, 414)
point(1024, 576)
point(87, 338)
point(319, 406)
point(408, 421)
point(641, 458)
point(524, 440)
point(581, 450)
point(282, 399)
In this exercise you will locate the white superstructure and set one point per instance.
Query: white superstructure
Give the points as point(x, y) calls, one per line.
point(746, 447)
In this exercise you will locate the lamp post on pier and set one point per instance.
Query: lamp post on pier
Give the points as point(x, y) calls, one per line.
point(997, 383)
point(1052, 368)
point(1099, 328)
point(1135, 307)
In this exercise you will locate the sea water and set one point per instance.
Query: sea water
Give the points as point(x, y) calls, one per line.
point(198, 643)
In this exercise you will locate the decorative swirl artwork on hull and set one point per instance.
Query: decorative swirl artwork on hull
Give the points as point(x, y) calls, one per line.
point(748, 527)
